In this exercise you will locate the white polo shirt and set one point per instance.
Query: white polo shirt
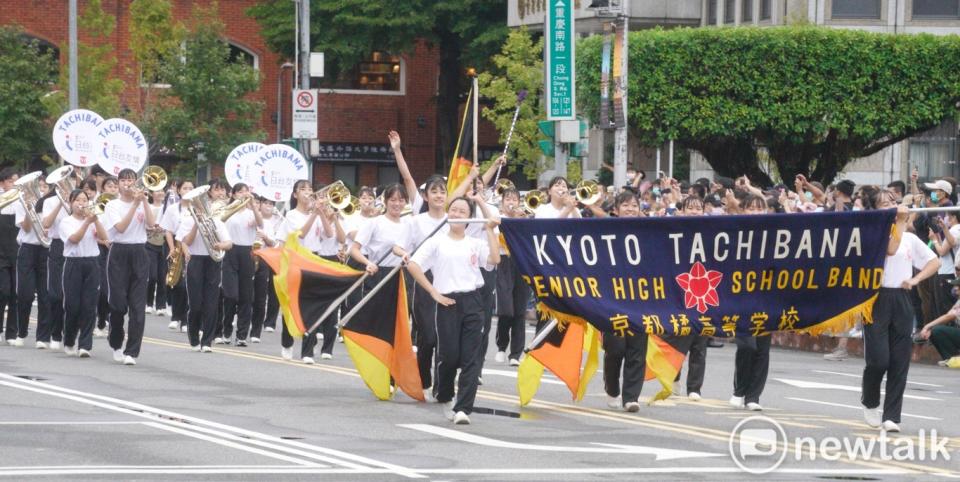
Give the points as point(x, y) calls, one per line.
point(455, 264)
point(116, 210)
point(87, 247)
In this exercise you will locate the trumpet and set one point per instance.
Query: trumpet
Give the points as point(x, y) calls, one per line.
point(28, 190)
point(337, 193)
point(495, 193)
point(588, 192)
point(226, 211)
point(99, 205)
point(154, 179)
point(534, 199)
point(63, 183)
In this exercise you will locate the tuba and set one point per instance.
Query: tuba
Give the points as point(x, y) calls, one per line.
point(198, 204)
point(28, 188)
point(534, 199)
point(588, 192)
point(337, 193)
point(61, 180)
point(177, 263)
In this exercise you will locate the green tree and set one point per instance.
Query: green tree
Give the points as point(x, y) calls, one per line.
point(465, 32)
point(155, 39)
point(26, 76)
point(97, 87)
point(815, 98)
point(518, 67)
point(205, 113)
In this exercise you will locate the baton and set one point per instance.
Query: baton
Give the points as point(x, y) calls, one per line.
point(520, 96)
point(541, 335)
point(944, 209)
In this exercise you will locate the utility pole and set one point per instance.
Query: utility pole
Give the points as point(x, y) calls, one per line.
point(74, 91)
point(305, 73)
point(620, 137)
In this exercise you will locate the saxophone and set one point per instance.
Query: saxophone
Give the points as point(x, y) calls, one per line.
point(177, 262)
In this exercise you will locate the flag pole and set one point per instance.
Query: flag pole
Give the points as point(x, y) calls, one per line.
point(476, 121)
point(541, 335)
point(944, 209)
point(516, 113)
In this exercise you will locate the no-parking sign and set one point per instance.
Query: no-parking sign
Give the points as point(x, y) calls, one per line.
point(305, 113)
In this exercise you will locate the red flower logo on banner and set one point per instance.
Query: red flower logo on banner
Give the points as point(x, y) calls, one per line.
point(700, 287)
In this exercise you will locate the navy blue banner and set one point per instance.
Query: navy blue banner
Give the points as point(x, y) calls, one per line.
point(711, 275)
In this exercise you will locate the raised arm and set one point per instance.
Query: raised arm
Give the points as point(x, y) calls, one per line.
point(408, 181)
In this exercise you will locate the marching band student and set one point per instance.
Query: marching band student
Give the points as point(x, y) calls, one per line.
point(8, 260)
point(753, 352)
point(126, 219)
point(512, 293)
point(629, 350)
point(561, 205)
point(51, 213)
point(455, 260)
point(265, 303)
point(697, 355)
point(304, 217)
point(887, 342)
point(424, 307)
point(110, 185)
point(330, 250)
point(378, 243)
point(31, 277)
point(156, 257)
point(238, 265)
point(81, 273)
point(170, 216)
point(203, 279)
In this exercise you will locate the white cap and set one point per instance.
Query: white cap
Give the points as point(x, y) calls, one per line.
point(942, 185)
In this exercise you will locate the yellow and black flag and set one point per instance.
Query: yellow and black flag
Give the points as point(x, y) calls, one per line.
point(378, 340)
point(664, 359)
point(463, 156)
point(562, 353)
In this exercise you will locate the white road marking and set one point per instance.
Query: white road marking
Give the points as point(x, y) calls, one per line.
point(847, 388)
point(661, 470)
point(659, 453)
point(334, 456)
point(506, 373)
point(234, 445)
point(854, 375)
point(74, 423)
point(858, 407)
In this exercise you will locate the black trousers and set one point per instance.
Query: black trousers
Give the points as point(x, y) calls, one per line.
point(459, 334)
point(81, 286)
point(238, 290)
point(8, 301)
point(751, 365)
point(887, 345)
point(203, 296)
point(946, 339)
point(330, 326)
point(488, 295)
point(157, 278)
point(696, 363)
point(265, 303)
point(127, 291)
point(425, 319)
point(512, 295)
point(631, 353)
point(178, 300)
point(103, 307)
point(54, 329)
point(32, 281)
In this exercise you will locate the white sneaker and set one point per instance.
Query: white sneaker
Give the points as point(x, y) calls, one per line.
point(118, 356)
point(414, 348)
point(174, 325)
point(308, 360)
point(162, 312)
point(183, 329)
point(448, 410)
point(241, 343)
point(129, 360)
point(206, 349)
point(890, 426)
point(339, 339)
point(693, 397)
point(268, 329)
point(514, 362)
point(632, 407)
point(428, 395)
point(326, 356)
point(754, 407)
point(70, 351)
point(872, 416)
point(736, 402)
point(195, 348)
point(15, 342)
point(83, 353)
point(500, 357)
point(461, 418)
point(613, 402)
point(286, 353)
point(254, 339)
point(42, 345)
point(151, 311)
point(839, 354)
point(56, 345)
point(218, 341)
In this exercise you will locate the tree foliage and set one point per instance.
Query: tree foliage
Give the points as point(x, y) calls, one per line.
point(205, 113)
point(518, 67)
point(155, 39)
point(26, 76)
point(465, 32)
point(98, 88)
point(815, 98)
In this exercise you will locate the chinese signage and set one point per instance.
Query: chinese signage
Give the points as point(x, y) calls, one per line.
point(559, 45)
point(354, 152)
point(305, 114)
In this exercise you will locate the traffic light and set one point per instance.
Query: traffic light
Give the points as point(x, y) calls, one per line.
point(547, 146)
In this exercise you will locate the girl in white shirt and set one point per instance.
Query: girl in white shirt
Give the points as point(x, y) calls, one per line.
point(237, 284)
point(562, 204)
point(80, 233)
point(380, 243)
point(265, 303)
point(110, 185)
point(170, 216)
point(456, 260)
point(887, 342)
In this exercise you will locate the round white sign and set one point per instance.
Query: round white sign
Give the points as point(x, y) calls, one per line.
point(75, 137)
point(239, 166)
point(277, 168)
point(121, 146)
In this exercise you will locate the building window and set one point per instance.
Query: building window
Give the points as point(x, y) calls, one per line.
point(936, 8)
point(380, 71)
point(934, 152)
point(855, 9)
point(711, 12)
point(387, 175)
point(346, 173)
point(746, 13)
point(241, 55)
point(729, 11)
point(765, 9)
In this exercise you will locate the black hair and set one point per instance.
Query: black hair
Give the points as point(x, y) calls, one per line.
point(296, 187)
point(90, 184)
point(699, 190)
point(74, 194)
point(218, 183)
point(623, 197)
point(870, 198)
point(97, 170)
point(111, 179)
point(846, 187)
point(688, 202)
point(511, 191)
point(753, 200)
point(432, 181)
point(898, 186)
point(366, 190)
point(237, 187)
point(557, 179)
point(392, 189)
point(7, 173)
point(470, 204)
point(127, 173)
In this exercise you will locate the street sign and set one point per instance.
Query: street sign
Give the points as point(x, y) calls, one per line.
point(316, 64)
point(560, 79)
point(305, 113)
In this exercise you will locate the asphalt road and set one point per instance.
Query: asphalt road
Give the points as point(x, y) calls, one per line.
point(247, 414)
